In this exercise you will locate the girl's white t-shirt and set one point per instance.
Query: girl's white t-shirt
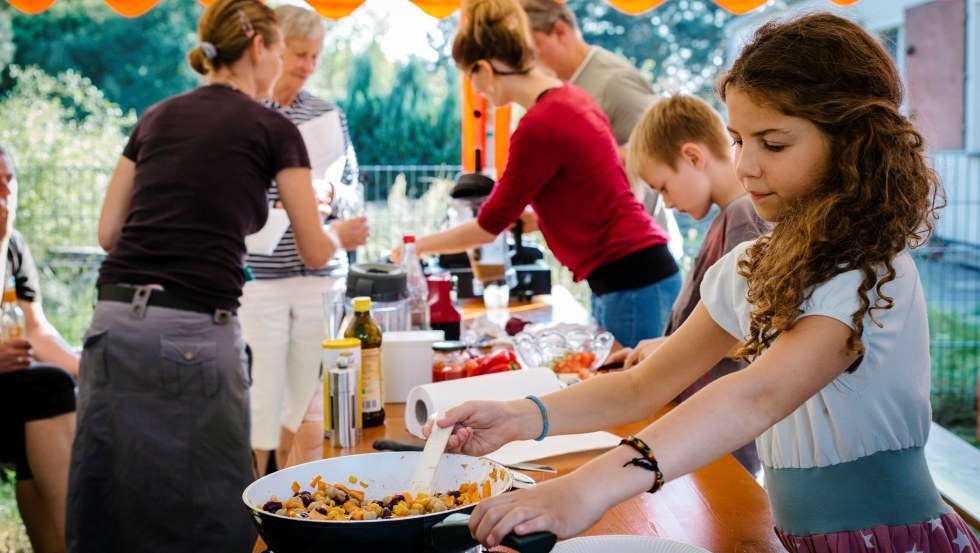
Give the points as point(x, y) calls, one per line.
point(882, 406)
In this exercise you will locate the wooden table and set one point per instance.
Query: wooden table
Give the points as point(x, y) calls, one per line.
point(720, 507)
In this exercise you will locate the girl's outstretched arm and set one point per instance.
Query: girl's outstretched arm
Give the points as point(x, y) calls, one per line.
point(601, 402)
point(718, 419)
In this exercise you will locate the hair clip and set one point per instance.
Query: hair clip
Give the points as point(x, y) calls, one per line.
point(247, 27)
point(208, 49)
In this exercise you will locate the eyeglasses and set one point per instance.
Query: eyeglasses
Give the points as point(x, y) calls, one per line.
point(497, 72)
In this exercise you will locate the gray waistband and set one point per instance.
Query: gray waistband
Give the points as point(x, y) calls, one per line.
point(889, 487)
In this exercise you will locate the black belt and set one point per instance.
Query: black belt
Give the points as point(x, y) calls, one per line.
point(633, 271)
point(159, 298)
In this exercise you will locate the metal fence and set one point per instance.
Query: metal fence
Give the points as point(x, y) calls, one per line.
point(59, 210)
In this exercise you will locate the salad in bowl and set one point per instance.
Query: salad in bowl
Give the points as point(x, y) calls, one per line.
point(572, 351)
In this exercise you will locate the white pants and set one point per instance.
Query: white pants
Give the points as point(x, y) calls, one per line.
point(282, 321)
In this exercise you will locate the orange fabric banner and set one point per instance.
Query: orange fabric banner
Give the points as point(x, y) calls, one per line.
point(131, 8)
point(437, 8)
point(335, 9)
point(31, 6)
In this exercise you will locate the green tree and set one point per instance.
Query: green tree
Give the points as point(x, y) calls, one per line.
point(66, 137)
point(679, 45)
point(402, 113)
point(135, 61)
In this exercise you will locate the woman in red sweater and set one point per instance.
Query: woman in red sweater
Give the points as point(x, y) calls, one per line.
point(563, 163)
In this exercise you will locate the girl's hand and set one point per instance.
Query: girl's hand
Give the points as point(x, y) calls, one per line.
point(481, 426)
point(559, 506)
point(396, 255)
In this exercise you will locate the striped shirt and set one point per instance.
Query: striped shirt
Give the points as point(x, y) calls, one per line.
point(285, 261)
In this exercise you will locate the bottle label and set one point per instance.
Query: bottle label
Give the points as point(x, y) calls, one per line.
point(371, 385)
point(12, 332)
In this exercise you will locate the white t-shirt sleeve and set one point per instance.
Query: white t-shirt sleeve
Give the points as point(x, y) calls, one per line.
point(723, 290)
point(837, 298)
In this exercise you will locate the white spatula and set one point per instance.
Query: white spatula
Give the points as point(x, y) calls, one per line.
point(435, 446)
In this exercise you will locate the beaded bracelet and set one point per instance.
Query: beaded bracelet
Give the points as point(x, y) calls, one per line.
point(648, 461)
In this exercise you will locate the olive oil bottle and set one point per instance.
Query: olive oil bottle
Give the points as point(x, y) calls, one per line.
point(366, 329)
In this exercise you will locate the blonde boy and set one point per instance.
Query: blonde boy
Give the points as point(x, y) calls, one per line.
point(681, 149)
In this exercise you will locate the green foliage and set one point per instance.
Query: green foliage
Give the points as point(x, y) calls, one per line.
point(955, 364)
point(679, 46)
point(13, 535)
point(66, 136)
point(401, 113)
point(64, 120)
point(136, 62)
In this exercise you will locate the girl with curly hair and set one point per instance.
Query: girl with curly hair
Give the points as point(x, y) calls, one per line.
point(827, 308)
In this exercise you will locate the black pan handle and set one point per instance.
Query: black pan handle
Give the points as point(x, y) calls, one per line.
point(453, 534)
point(396, 445)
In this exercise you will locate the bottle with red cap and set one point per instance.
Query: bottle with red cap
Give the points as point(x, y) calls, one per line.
point(418, 289)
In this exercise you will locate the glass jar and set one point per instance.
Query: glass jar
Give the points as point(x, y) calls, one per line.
point(449, 360)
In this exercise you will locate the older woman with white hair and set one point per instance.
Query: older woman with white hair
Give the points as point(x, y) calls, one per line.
point(282, 313)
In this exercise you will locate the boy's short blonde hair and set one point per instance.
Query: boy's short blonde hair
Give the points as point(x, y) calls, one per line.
point(669, 124)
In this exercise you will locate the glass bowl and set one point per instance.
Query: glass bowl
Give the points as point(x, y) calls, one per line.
point(556, 345)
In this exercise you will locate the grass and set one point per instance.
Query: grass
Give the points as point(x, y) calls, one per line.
point(13, 535)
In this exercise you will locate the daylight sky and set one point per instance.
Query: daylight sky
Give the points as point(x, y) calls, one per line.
point(403, 24)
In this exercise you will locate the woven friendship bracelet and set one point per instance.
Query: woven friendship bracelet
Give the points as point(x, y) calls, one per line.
point(648, 461)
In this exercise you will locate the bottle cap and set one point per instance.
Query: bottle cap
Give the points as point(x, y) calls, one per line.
point(342, 343)
point(362, 304)
point(408, 239)
point(9, 295)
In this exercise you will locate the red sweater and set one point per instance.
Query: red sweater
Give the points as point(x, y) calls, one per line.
point(563, 162)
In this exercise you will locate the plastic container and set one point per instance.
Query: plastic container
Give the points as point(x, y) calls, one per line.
point(418, 289)
point(444, 315)
point(333, 350)
point(11, 316)
point(405, 360)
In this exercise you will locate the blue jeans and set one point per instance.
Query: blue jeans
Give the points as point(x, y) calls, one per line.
point(634, 315)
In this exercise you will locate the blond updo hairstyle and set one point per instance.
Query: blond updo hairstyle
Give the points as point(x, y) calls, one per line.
point(494, 29)
point(225, 24)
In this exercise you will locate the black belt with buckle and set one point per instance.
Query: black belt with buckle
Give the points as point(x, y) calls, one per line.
point(159, 298)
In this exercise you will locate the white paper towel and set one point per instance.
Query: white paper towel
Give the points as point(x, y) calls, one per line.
point(552, 446)
point(439, 396)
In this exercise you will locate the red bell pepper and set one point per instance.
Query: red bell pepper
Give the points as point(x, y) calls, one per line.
point(502, 368)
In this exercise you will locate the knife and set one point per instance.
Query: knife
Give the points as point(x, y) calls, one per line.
point(398, 445)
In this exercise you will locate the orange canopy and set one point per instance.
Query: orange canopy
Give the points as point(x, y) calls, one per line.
point(335, 9)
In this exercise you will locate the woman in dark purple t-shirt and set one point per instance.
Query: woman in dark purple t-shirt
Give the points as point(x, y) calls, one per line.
point(162, 453)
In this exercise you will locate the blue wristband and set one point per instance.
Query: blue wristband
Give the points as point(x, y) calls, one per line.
point(544, 417)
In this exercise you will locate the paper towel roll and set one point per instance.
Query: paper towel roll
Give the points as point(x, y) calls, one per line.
point(439, 396)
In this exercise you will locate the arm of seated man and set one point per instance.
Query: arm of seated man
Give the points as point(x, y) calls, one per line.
point(49, 346)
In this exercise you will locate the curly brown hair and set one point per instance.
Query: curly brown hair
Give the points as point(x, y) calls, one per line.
point(878, 195)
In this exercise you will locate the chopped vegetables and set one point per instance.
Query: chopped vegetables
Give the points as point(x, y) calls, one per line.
point(573, 362)
point(338, 502)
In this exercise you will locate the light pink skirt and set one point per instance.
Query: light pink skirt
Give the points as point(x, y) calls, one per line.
point(946, 534)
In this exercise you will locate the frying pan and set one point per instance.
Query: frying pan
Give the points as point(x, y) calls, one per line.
point(385, 474)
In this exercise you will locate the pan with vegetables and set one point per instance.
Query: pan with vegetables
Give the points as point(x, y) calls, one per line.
point(359, 503)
